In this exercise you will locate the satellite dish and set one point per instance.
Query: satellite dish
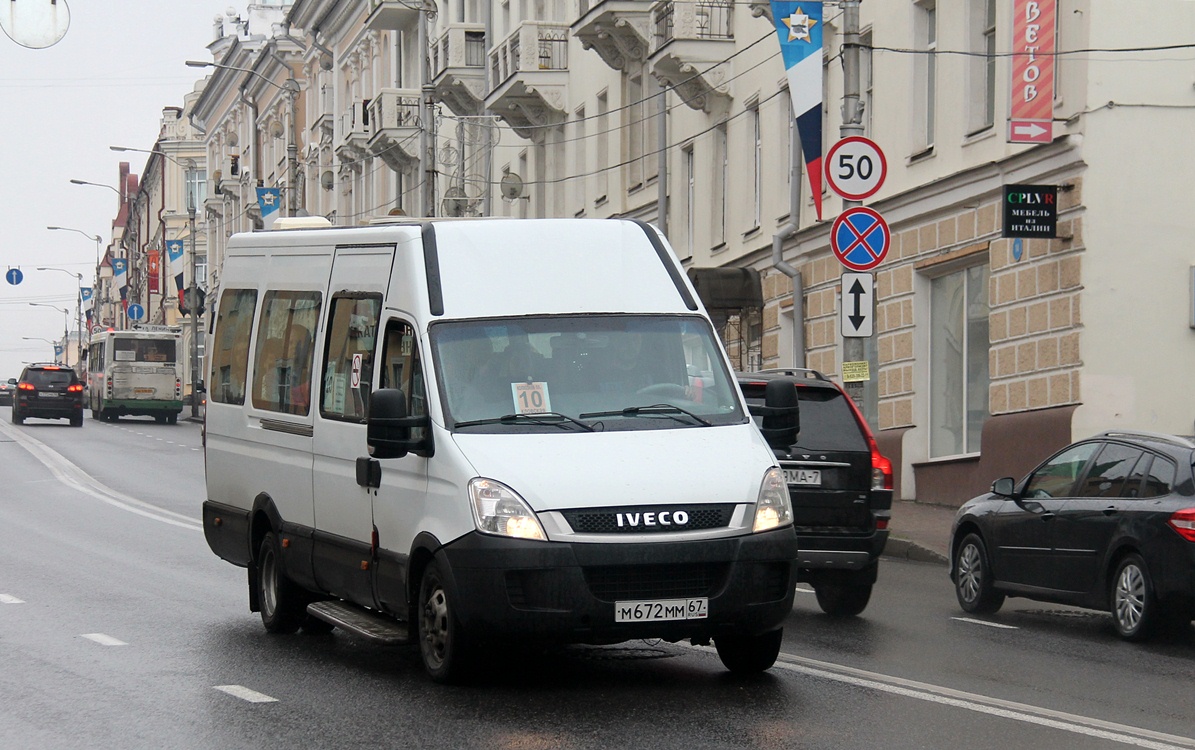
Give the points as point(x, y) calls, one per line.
point(455, 202)
point(511, 186)
point(35, 24)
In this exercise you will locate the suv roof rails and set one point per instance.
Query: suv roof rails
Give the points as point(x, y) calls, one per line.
point(797, 372)
point(1161, 437)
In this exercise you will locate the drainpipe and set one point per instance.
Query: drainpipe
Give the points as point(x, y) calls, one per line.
point(487, 197)
point(662, 159)
point(788, 230)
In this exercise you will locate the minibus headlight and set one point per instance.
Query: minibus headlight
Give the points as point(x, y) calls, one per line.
point(497, 509)
point(773, 508)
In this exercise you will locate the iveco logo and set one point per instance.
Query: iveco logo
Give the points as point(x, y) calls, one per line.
point(663, 518)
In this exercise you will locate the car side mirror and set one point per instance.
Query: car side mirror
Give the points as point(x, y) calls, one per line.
point(1005, 487)
point(388, 428)
point(781, 414)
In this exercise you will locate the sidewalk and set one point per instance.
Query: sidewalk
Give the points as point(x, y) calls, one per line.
point(920, 532)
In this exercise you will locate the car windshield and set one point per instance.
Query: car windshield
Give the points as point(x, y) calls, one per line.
point(603, 369)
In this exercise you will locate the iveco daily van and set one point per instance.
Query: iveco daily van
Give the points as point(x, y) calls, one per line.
point(462, 432)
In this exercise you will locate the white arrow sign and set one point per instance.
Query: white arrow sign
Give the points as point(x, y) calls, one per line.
point(857, 303)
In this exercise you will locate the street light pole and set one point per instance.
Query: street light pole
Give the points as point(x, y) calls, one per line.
point(78, 311)
point(66, 326)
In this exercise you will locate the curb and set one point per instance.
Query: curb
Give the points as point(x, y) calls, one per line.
point(903, 549)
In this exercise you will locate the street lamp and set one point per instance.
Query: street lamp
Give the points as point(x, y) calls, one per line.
point(78, 309)
point(65, 323)
point(97, 184)
point(193, 287)
point(39, 338)
point(93, 237)
point(292, 151)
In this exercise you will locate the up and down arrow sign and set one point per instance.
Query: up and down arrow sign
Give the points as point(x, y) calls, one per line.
point(857, 305)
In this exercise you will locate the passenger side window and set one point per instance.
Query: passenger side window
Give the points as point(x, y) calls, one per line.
point(1108, 472)
point(348, 356)
point(1160, 478)
point(284, 352)
point(1056, 478)
point(402, 368)
point(230, 357)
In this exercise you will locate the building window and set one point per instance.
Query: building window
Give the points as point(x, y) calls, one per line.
point(786, 128)
point(926, 73)
point(690, 199)
point(982, 74)
point(579, 162)
point(958, 361)
point(722, 160)
point(603, 147)
point(867, 80)
point(196, 180)
point(756, 166)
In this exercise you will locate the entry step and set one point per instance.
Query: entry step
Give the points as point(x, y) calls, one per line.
point(360, 621)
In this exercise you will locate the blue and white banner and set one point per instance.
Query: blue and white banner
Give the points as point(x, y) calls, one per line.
point(120, 268)
point(269, 200)
point(799, 26)
point(174, 263)
point(86, 302)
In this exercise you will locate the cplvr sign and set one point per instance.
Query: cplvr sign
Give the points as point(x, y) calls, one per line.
point(1030, 211)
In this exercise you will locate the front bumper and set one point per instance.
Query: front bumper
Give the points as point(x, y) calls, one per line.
point(566, 592)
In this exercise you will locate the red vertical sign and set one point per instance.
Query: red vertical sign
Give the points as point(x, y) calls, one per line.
point(1031, 116)
point(155, 270)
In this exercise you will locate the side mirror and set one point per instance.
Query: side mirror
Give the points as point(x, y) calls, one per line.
point(1005, 487)
point(388, 428)
point(781, 414)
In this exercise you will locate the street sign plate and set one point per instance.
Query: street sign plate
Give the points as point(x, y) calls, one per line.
point(855, 168)
point(1031, 109)
point(136, 312)
point(860, 238)
point(856, 311)
point(14, 276)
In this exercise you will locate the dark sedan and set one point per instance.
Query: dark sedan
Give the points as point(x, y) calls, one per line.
point(6, 389)
point(1106, 523)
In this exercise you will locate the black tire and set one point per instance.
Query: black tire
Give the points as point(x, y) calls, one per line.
point(160, 418)
point(172, 419)
point(16, 416)
point(973, 578)
point(749, 654)
point(442, 643)
point(77, 421)
point(1133, 602)
point(96, 415)
point(840, 600)
point(283, 607)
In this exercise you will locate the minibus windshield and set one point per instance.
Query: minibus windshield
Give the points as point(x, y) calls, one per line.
point(628, 372)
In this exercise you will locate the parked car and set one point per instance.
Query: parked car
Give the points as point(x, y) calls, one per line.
point(840, 487)
point(6, 389)
point(1106, 523)
point(49, 391)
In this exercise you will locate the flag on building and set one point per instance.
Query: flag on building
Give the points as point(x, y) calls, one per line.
point(269, 200)
point(174, 264)
point(85, 301)
point(120, 276)
point(153, 270)
point(799, 26)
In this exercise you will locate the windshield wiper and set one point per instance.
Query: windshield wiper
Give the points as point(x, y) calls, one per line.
point(553, 419)
point(653, 409)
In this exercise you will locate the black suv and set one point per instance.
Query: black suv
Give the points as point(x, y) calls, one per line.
point(841, 490)
point(49, 391)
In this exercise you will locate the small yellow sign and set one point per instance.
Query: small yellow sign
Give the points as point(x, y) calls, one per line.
point(855, 372)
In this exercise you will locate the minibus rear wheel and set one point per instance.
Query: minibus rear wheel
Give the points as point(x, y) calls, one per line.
point(282, 605)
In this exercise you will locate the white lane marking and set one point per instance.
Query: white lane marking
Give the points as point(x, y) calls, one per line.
point(973, 621)
point(245, 694)
point(10, 599)
point(74, 477)
point(1067, 722)
point(103, 640)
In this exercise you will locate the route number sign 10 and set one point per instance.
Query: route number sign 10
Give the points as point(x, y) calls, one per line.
point(855, 168)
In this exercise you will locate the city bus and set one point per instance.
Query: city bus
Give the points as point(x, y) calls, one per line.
point(135, 373)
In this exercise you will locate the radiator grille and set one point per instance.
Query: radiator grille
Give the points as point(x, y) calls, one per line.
point(634, 521)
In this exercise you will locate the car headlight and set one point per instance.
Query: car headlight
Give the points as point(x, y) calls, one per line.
point(497, 509)
point(773, 509)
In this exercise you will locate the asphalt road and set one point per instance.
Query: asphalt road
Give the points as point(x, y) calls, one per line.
point(120, 629)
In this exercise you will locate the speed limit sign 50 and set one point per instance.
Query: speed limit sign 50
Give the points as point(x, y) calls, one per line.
point(855, 168)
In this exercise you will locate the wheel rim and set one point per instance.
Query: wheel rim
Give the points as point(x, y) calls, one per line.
point(970, 572)
point(269, 584)
point(433, 626)
point(1130, 597)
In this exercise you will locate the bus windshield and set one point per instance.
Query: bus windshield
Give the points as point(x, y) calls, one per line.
point(153, 351)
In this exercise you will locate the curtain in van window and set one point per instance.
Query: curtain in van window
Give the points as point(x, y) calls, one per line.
point(230, 360)
point(284, 352)
point(348, 363)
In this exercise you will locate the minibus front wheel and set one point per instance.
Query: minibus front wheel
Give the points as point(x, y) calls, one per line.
point(441, 641)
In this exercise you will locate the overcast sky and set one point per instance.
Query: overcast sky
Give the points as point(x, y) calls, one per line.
point(104, 84)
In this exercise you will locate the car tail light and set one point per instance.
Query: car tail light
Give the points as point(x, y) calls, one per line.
point(1183, 521)
point(26, 386)
point(881, 467)
point(76, 388)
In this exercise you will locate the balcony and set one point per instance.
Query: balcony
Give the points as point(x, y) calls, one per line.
point(690, 39)
point(395, 127)
point(618, 30)
point(392, 15)
point(529, 89)
point(354, 132)
point(458, 68)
